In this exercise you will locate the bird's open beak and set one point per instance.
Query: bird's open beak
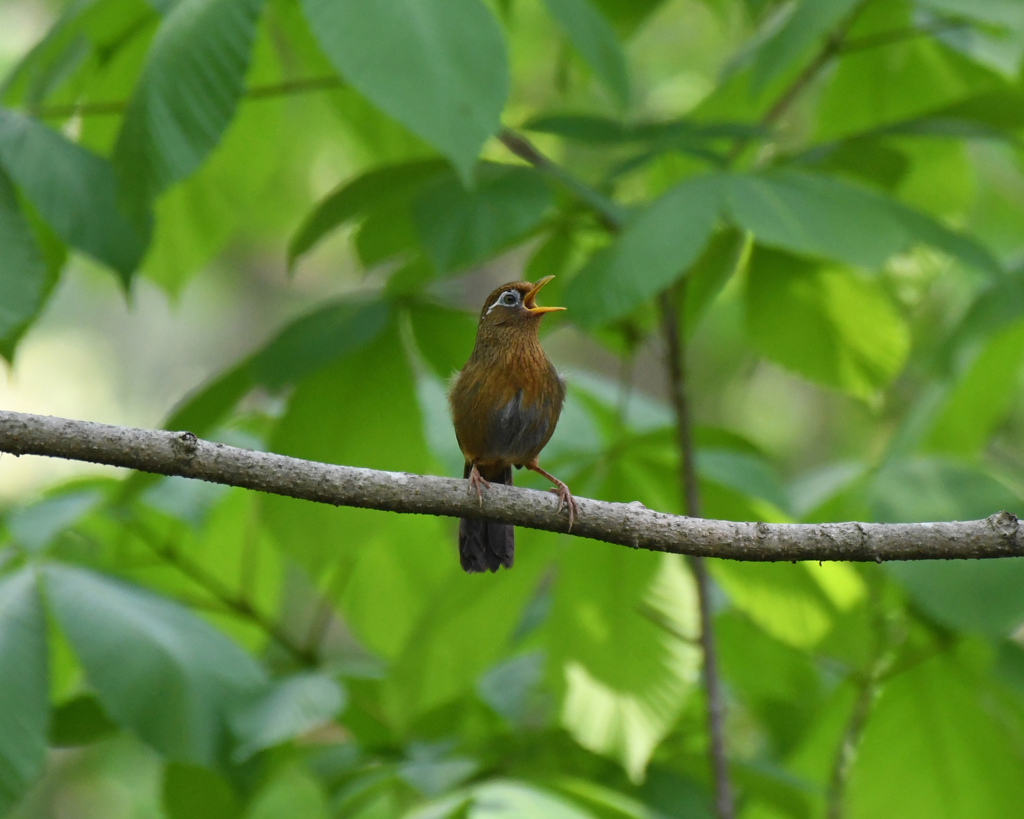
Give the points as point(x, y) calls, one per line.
point(530, 300)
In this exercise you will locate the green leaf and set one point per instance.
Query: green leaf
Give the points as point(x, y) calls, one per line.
point(745, 473)
point(975, 595)
point(309, 343)
point(828, 218)
point(352, 200)
point(508, 799)
point(317, 339)
point(980, 399)
point(656, 247)
point(437, 66)
point(158, 669)
point(625, 678)
point(338, 416)
point(80, 721)
point(725, 255)
point(943, 728)
point(196, 793)
point(24, 706)
point(290, 792)
point(23, 272)
point(35, 526)
point(595, 40)
point(287, 709)
point(190, 86)
point(74, 190)
point(806, 27)
point(909, 77)
point(782, 599)
point(476, 622)
point(825, 323)
point(460, 227)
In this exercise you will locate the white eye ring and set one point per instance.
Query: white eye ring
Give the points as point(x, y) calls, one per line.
point(510, 298)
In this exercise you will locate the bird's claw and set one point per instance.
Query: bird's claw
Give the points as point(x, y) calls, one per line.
point(566, 501)
point(476, 481)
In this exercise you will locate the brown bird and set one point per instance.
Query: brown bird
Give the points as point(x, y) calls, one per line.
point(505, 403)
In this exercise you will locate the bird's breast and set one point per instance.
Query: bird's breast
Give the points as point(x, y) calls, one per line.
point(505, 412)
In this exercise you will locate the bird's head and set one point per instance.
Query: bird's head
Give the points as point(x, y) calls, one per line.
point(515, 305)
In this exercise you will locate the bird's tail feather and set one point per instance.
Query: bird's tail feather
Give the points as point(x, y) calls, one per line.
point(485, 545)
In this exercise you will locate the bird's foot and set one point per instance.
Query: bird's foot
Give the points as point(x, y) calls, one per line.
point(477, 481)
point(565, 500)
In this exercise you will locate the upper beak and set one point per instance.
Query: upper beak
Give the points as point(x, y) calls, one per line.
point(530, 300)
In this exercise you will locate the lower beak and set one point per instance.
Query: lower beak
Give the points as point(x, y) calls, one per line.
point(530, 300)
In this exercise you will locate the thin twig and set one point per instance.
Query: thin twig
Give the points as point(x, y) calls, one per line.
point(671, 303)
point(831, 48)
point(257, 92)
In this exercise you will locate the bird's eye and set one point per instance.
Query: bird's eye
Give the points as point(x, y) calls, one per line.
point(509, 299)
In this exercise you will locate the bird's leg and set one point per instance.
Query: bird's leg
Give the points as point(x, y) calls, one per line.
point(476, 481)
point(565, 497)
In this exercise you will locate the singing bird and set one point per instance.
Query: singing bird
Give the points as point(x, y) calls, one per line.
point(505, 403)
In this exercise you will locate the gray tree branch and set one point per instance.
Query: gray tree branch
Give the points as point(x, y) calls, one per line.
point(627, 524)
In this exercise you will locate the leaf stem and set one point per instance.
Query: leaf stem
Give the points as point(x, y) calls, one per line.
point(672, 306)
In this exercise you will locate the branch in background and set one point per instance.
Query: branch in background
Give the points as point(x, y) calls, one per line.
point(675, 363)
point(626, 524)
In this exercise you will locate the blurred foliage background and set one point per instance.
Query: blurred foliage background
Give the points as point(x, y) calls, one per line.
point(272, 222)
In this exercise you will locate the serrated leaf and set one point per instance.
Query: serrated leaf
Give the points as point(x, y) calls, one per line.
point(74, 190)
point(437, 66)
point(625, 678)
point(187, 94)
point(460, 227)
point(826, 323)
point(157, 669)
point(655, 248)
point(23, 272)
point(940, 723)
point(24, 706)
point(593, 37)
point(355, 198)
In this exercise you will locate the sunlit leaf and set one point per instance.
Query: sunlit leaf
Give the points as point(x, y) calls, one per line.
point(828, 324)
point(935, 722)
